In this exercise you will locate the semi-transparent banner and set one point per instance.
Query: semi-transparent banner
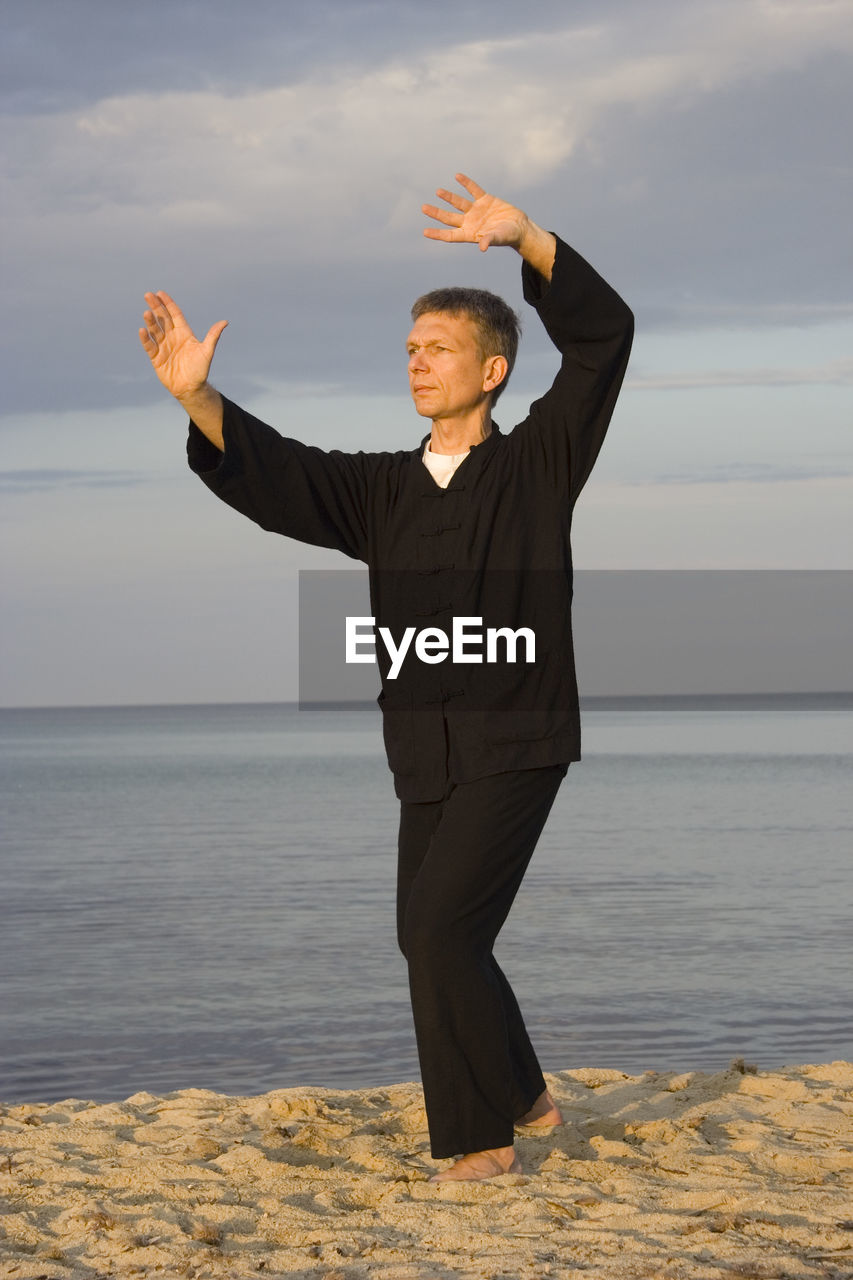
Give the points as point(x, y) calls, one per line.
point(636, 633)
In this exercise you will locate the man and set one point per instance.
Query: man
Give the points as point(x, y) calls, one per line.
point(472, 526)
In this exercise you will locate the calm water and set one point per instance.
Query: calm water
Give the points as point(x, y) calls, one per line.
point(203, 897)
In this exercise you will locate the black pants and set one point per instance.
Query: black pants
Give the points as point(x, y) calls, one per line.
point(461, 861)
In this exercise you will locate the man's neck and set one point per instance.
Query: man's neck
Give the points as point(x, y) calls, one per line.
point(455, 435)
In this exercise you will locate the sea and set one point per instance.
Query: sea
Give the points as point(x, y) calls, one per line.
point(203, 896)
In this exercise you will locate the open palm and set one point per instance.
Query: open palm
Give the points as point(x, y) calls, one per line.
point(180, 361)
point(483, 220)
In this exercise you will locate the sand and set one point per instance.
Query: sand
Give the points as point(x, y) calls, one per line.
point(742, 1173)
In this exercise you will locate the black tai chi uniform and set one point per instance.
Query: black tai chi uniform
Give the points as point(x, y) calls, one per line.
point(477, 750)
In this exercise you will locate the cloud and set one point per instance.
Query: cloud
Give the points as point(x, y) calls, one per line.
point(833, 373)
point(306, 159)
point(752, 473)
point(41, 479)
point(683, 144)
point(55, 55)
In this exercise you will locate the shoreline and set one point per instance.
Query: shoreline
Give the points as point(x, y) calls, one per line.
point(695, 1174)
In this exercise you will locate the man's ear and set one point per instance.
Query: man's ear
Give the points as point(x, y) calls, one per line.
point(494, 372)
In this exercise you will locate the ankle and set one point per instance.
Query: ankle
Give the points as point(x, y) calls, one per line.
point(505, 1156)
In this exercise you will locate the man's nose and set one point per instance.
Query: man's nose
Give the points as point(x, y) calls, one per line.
point(417, 362)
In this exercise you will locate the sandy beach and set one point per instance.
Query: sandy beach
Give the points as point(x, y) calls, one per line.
point(743, 1173)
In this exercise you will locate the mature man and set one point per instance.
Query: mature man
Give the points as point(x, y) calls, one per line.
point(471, 525)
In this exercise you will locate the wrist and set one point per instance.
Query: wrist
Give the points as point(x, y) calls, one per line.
point(204, 407)
point(538, 247)
point(525, 227)
point(197, 397)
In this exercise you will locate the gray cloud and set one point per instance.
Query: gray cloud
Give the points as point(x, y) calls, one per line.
point(746, 313)
point(40, 479)
point(57, 55)
point(833, 373)
point(271, 171)
point(756, 473)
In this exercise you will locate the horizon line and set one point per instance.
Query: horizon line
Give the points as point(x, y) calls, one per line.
point(590, 702)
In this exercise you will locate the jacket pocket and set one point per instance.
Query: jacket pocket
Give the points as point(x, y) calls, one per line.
point(519, 726)
point(398, 734)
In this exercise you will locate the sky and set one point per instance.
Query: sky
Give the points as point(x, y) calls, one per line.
point(266, 163)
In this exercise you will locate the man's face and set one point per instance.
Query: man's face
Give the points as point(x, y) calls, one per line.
point(448, 376)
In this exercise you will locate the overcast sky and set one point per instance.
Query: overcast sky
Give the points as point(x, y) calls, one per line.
point(266, 162)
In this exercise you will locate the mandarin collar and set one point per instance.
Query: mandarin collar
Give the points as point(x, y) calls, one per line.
point(495, 431)
point(474, 458)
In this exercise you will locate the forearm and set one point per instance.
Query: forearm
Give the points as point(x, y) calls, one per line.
point(287, 487)
point(204, 407)
point(585, 317)
point(538, 248)
point(591, 326)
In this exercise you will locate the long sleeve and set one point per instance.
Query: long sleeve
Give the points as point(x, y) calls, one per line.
point(285, 486)
point(593, 329)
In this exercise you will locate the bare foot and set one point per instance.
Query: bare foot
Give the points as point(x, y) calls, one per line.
point(480, 1165)
point(542, 1115)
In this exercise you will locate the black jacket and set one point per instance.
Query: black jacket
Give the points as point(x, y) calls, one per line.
point(493, 545)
